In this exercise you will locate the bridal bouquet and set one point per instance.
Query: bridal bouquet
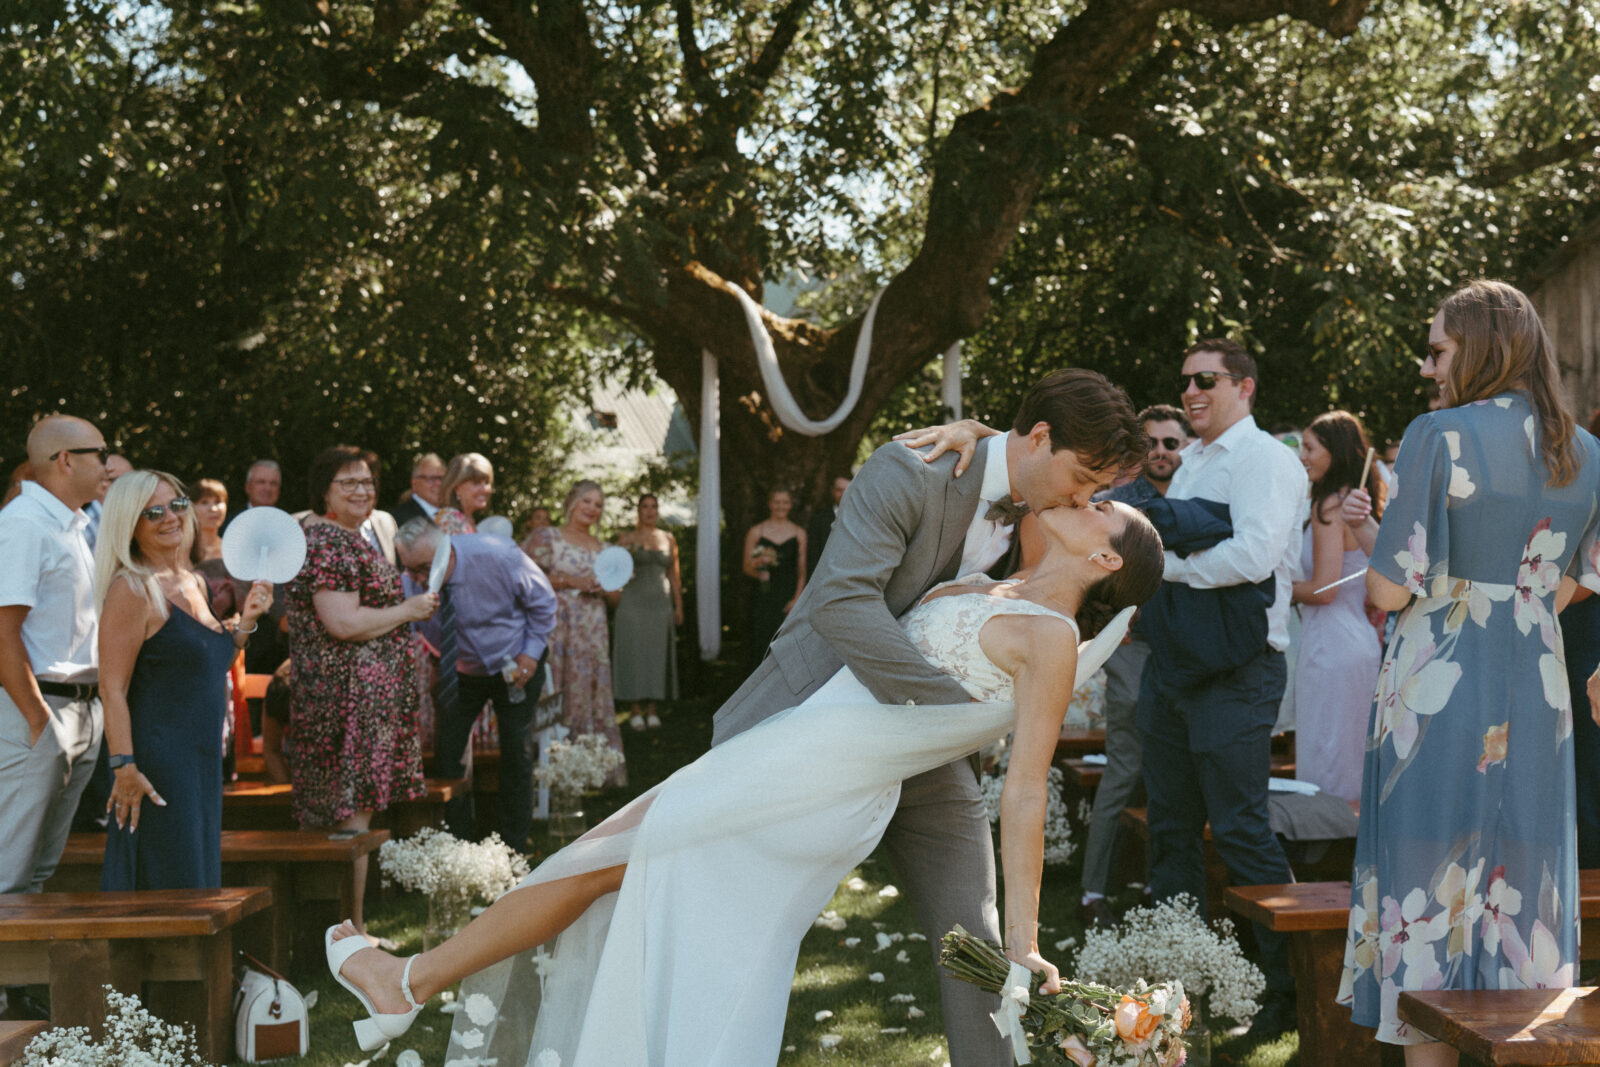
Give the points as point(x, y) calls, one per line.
point(448, 869)
point(132, 1036)
point(1058, 846)
point(577, 765)
point(766, 558)
point(1085, 1024)
point(1171, 939)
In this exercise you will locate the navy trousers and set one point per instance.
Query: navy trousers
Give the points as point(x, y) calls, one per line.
point(516, 754)
point(1207, 755)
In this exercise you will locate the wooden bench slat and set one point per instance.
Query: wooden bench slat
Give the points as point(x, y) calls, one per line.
point(139, 914)
point(16, 1035)
point(250, 846)
point(1511, 1026)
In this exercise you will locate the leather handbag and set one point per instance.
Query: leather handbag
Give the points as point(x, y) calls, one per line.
point(269, 1014)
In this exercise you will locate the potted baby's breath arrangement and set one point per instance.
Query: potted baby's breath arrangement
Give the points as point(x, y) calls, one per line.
point(1171, 940)
point(452, 873)
point(573, 767)
point(131, 1035)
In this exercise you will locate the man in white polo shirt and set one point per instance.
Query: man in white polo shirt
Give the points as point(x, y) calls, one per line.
point(50, 719)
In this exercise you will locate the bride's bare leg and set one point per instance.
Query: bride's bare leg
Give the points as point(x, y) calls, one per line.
point(518, 921)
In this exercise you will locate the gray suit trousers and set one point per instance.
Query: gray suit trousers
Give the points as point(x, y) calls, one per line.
point(1124, 765)
point(40, 787)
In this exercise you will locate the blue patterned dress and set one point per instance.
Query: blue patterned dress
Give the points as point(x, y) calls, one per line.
point(1466, 873)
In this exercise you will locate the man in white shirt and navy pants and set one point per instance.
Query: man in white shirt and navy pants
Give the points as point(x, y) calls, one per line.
point(50, 719)
point(1207, 745)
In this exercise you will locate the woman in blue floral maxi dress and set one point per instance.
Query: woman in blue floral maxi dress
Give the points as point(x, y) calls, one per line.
point(1465, 872)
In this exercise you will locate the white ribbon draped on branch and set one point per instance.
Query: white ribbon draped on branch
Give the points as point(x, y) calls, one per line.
point(708, 547)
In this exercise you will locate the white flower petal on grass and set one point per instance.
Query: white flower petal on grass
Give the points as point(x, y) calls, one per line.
point(481, 1010)
point(447, 996)
point(788, 1048)
point(884, 941)
point(829, 920)
point(823, 1014)
point(914, 1012)
point(409, 1058)
point(891, 1029)
point(888, 891)
point(902, 957)
point(311, 999)
point(856, 884)
point(1065, 943)
point(916, 937)
point(450, 1007)
point(381, 1053)
point(851, 942)
point(830, 1040)
point(903, 998)
point(879, 926)
point(875, 976)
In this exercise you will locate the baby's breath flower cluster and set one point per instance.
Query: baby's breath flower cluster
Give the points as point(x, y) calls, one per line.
point(133, 1038)
point(445, 867)
point(1172, 941)
point(1058, 844)
point(578, 765)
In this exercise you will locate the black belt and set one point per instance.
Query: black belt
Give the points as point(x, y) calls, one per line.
point(71, 690)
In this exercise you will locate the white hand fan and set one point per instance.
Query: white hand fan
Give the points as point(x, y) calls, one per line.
point(441, 565)
point(613, 566)
point(264, 545)
point(496, 526)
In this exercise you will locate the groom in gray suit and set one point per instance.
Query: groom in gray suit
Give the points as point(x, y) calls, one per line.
point(904, 526)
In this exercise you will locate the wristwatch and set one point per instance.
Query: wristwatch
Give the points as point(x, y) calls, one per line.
point(116, 762)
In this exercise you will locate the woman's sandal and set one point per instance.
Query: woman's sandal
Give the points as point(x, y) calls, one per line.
point(377, 1028)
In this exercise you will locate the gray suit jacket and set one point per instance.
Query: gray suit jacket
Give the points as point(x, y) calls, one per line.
point(900, 531)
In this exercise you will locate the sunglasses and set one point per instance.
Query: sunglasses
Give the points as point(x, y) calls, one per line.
point(1171, 444)
point(178, 505)
point(1206, 379)
point(102, 452)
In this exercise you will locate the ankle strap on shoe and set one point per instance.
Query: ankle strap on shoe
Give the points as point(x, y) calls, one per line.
point(405, 983)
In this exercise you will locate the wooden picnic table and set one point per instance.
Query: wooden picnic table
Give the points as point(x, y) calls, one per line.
point(1511, 1026)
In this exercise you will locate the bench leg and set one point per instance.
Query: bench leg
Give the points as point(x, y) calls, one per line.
point(1327, 1036)
point(79, 973)
point(204, 1002)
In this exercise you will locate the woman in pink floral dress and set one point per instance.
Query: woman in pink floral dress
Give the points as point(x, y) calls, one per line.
point(353, 720)
point(580, 647)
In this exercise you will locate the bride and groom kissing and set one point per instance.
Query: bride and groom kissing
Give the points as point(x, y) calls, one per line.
point(669, 933)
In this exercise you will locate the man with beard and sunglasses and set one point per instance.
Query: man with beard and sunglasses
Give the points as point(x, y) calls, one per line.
point(1168, 433)
point(1206, 734)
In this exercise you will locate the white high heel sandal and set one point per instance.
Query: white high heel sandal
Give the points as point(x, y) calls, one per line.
point(378, 1027)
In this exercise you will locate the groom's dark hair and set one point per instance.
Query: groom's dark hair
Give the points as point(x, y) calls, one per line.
point(1089, 415)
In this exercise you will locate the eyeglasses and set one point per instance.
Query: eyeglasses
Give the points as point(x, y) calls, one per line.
point(351, 485)
point(1206, 379)
point(178, 505)
point(102, 452)
point(1171, 444)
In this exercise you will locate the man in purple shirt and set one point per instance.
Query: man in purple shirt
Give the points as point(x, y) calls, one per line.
point(496, 612)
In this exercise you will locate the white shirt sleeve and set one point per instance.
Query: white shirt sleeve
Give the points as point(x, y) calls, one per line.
point(1265, 491)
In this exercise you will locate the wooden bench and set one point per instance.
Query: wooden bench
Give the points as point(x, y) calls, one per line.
point(1073, 743)
point(1315, 916)
point(248, 805)
point(174, 948)
point(311, 875)
point(1510, 1026)
point(15, 1036)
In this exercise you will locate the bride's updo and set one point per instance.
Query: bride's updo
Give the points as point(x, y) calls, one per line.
point(1130, 585)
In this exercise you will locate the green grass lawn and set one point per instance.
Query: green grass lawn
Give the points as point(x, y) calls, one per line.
point(873, 1019)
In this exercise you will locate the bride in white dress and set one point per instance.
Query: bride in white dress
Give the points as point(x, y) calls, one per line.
point(680, 917)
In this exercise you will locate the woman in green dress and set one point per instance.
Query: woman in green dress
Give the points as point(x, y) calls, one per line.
point(644, 644)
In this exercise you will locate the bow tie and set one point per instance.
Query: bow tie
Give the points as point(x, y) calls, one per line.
point(1005, 511)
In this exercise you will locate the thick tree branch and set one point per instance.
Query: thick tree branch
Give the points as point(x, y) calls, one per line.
point(786, 27)
point(1537, 157)
point(694, 60)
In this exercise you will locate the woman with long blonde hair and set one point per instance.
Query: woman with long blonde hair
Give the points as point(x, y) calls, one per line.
point(163, 660)
point(1466, 875)
point(468, 484)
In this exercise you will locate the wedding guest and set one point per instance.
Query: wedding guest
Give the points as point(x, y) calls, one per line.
point(50, 719)
point(820, 524)
point(1580, 637)
point(210, 512)
point(1467, 794)
point(1339, 650)
point(580, 652)
point(774, 559)
point(262, 484)
point(644, 645)
point(426, 493)
point(468, 484)
point(164, 661)
point(22, 472)
point(353, 712)
point(116, 467)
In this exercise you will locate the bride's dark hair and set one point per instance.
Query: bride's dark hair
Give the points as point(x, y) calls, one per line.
point(1129, 585)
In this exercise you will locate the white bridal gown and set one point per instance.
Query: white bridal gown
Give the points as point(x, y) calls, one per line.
point(729, 862)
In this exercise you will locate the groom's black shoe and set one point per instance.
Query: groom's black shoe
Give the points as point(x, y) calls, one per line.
point(1276, 1018)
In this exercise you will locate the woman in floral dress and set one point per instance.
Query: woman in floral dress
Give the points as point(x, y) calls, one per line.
point(353, 719)
point(1466, 874)
point(580, 649)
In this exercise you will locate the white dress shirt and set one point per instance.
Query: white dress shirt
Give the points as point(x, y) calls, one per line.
point(428, 509)
point(1264, 485)
point(48, 570)
point(987, 541)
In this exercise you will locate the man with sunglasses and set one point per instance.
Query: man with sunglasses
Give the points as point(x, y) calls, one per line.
point(1207, 740)
point(1168, 433)
point(50, 719)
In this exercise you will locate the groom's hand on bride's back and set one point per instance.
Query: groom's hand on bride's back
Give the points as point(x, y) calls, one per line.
point(961, 437)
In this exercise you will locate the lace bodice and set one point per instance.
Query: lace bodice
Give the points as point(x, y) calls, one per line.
point(945, 630)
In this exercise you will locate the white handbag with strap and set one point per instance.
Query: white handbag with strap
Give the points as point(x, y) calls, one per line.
point(269, 1014)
